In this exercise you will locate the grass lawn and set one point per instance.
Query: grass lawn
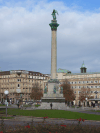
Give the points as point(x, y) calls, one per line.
point(37, 105)
point(26, 105)
point(4, 105)
point(53, 114)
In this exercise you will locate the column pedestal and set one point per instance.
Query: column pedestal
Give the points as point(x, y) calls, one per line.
point(57, 99)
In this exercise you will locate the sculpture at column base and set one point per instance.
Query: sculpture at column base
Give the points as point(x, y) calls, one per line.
point(53, 96)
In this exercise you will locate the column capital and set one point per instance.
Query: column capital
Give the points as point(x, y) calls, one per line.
point(54, 25)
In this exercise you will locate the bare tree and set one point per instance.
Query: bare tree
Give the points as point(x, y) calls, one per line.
point(36, 93)
point(67, 91)
point(84, 93)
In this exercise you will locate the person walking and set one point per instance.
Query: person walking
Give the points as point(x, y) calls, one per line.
point(51, 105)
point(18, 105)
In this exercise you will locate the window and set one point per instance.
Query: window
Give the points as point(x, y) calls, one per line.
point(17, 79)
point(91, 81)
point(91, 91)
point(75, 82)
point(72, 82)
point(95, 81)
point(79, 87)
point(18, 85)
point(79, 82)
point(75, 92)
point(91, 86)
point(83, 82)
point(95, 86)
point(72, 86)
point(20, 80)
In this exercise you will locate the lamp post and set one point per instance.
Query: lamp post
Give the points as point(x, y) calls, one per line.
point(96, 92)
point(18, 91)
point(86, 101)
point(6, 93)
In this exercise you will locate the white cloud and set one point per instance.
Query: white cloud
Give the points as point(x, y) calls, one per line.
point(25, 37)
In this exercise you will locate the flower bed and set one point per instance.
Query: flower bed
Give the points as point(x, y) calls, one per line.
point(50, 128)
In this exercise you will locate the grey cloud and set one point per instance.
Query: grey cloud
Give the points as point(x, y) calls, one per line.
point(25, 38)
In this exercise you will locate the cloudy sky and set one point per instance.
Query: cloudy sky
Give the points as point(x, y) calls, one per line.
point(25, 35)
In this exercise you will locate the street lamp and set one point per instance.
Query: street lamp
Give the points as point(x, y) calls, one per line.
point(86, 101)
point(96, 92)
point(18, 91)
point(6, 93)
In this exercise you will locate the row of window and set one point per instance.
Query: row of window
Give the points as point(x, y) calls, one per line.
point(87, 92)
point(85, 87)
point(19, 80)
point(26, 85)
point(80, 82)
point(36, 77)
point(14, 94)
point(20, 75)
point(13, 88)
point(23, 83)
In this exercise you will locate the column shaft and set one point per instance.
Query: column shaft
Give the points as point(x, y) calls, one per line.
point(53, 55)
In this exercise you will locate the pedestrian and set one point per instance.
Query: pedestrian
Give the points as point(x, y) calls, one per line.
point(51, 105)
point(18, 105)
point(93, 105)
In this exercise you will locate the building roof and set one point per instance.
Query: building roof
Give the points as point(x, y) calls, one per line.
point(83, 73)
point(5, 73)
point(62, 71)
point(83, 65)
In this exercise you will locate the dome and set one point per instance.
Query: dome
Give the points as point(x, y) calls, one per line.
point(83, 65)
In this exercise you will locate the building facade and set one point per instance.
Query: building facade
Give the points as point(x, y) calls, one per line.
point(20, 79)
point(80, 80)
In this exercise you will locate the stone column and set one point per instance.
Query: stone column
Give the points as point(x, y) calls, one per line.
point(53, 26)
point(53, 55)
